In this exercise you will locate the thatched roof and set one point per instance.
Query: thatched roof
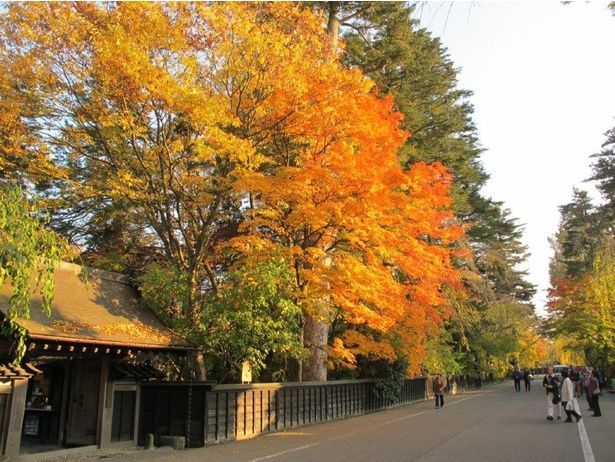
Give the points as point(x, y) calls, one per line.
point(92, 305)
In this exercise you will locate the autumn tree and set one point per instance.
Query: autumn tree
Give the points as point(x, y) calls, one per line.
point(387, 43)
point(369, 243)
point(404, 60)
point(581, 292)
point(234, 121)
point(581, 308)
point(165, 123)
point(23, 158)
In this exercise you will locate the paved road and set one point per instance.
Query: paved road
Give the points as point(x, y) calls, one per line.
point(493, 424)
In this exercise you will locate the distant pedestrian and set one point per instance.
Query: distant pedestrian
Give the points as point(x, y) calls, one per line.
point(517, 376)
point(527, 379)
point(439, 384)
point(601, 378)
point(551, 385)
point(569, 402)
point(593, 390)
point(575, 378)
point(586, 377)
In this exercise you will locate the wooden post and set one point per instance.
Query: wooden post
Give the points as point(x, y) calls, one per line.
point(6, 389)
point(135, 438)
point(103, 418)
point(15, 421)
point(64, 403)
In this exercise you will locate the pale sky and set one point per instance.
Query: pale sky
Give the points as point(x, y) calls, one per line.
point(543, 77)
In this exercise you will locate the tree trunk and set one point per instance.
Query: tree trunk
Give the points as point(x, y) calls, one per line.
point(197, 364)
point(316, 330)
point(315, 333)
point(333, 23)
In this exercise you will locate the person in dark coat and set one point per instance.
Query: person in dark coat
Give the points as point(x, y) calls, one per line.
point(439, 384)
point(517, 376)
point(593, 391)
point(575, 378)
point(527, 379)
point(551, 384)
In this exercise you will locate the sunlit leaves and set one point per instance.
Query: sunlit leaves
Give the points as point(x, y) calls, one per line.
point(29, 254)
point(232, 130)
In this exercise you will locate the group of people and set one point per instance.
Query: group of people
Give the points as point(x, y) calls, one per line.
point(563, 392)
point(526, 376)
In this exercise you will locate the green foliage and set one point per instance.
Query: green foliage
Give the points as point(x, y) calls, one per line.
point(252, 317)
point(489, 325)
point(442, 357)
point(580, 232)
point(498, 253)
point(29, 254)
point(389, 380)
point(165, 290)
point(603, 173)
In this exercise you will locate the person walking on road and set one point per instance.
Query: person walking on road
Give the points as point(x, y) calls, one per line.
point(585, 377)
point(593, 390)
point(517, 376)
point(439, 384)
point(527, 379)
point(551, 385)
point(569, 402)
point(575, 378)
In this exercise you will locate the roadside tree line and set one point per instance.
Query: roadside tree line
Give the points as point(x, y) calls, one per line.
point(296, 185)
point(582, 294)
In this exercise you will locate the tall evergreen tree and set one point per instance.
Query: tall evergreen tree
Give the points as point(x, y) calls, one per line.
point(604, 173)
point(577, 238)
point(496, 315)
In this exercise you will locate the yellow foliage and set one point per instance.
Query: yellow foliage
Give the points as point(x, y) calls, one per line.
point(189, 110)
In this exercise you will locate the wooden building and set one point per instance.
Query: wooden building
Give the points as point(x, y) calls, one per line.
point(80, 380)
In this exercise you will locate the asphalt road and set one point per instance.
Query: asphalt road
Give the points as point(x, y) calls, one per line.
point(493, 424)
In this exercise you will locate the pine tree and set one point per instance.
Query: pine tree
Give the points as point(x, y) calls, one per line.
point(577, 238)
point(604, 173)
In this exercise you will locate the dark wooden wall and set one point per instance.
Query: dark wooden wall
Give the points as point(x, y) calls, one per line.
point(209, 414)
point(243, 411)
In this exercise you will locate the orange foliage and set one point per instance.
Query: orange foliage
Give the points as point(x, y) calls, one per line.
point(567, 295)
point(363, 236)
point(184, 108)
